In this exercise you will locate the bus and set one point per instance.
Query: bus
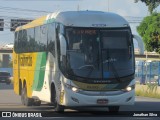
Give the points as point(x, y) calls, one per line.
point(75, 59)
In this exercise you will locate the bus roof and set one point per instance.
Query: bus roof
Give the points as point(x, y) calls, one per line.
point(80, 19)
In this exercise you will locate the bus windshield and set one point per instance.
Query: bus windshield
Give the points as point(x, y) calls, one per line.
point(99, 53)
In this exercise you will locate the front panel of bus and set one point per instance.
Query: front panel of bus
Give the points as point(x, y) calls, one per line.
point(99, 62)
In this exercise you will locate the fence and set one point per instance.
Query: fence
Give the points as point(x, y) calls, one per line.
point(147, 71)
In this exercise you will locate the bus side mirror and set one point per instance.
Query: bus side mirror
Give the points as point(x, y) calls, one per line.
point(140, 44)
point(62, 45)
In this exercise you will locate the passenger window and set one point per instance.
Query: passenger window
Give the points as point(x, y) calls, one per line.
point(51, 38)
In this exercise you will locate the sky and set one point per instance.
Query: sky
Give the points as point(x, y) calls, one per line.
point(121, 7)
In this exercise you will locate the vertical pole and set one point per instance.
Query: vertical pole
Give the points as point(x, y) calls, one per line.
point(159, 69)
point(150, 72)
point(78, 8)
point(146, 76)
point(142, 69)
point(146, 72)
point(159, 73)
point(142, 78)
point(108, 5)
point(137, 67)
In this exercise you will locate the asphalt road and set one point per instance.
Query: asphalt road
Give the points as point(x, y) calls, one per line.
point(9, 101)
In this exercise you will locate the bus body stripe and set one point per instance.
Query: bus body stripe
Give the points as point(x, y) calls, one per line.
point(39, 71)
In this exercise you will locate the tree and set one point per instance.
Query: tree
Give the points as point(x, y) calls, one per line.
point(152, 4)
point(149, 29)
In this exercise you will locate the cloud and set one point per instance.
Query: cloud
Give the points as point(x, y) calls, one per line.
point(121, 12)
point(128, 7)
point(135, 11)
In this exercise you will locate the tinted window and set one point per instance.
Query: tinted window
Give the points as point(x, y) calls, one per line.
point(43, 40)
point(31, 39)
point(38, 39)
point(16, 41)
point(99, 54)
point(51, 38)
point(23, 41)
point(109, 38)
point(20, 33)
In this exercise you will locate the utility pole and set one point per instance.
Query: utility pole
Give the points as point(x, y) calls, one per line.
point(108, 5)
point(146, 66)
point(78, 8)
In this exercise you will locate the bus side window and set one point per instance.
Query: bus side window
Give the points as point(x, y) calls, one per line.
point(51, 38)
point(24, 42)
point(31, 39)
point(43, 40)
point(37, 39)
point(19, 49)
point(16, 42)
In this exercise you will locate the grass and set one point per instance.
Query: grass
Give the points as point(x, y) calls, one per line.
point(150, 90)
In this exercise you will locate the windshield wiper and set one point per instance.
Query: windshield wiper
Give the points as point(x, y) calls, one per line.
point(113, 68)
point(115, 72)
point(97, 61)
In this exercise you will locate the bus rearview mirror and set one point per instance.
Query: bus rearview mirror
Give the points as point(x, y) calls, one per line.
point(140, 44)
point(62, 44)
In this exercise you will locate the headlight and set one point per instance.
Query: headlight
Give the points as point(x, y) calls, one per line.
point(74, 89)
point(129, 88)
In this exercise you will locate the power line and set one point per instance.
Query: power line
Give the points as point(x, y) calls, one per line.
point(21, 9)
point(43, 0)
point(29, 14)
point(13, 17)
point(6, 34)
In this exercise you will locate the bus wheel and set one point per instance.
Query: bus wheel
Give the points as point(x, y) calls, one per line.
point(25, 100)
point(113, 109)
point(22, 96)
point(57, 107)
point(37, 102)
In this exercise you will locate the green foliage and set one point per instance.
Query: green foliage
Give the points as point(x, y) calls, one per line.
point(152, 4)
point(149, 30)
point(152, 88)
point(150, 91)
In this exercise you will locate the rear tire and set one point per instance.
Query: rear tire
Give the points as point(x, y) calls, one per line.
point(25, 100)
point(37, 103)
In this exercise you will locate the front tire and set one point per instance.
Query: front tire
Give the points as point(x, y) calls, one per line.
point(58, 108)
point(25, 100)
point(113, 109)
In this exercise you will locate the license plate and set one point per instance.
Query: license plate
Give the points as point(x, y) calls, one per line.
point(102, 101)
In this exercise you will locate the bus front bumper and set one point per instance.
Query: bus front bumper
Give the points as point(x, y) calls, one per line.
point(92, 98)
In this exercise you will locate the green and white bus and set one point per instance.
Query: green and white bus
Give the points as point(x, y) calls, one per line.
point(75, 59)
